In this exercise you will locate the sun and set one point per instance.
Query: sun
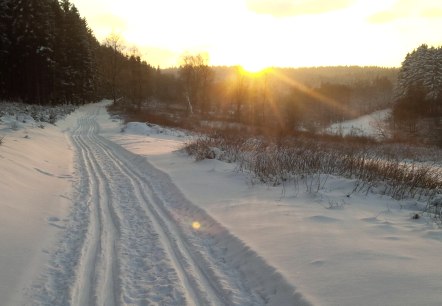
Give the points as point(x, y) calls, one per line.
point(253, 67)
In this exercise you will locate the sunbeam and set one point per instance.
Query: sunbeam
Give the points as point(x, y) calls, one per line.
point(312, 93)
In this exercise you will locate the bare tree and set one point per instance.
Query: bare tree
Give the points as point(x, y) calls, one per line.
point(114, 42)
point(240, 92)
point(197, 77)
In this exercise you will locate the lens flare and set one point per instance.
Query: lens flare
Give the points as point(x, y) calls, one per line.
point(196, 225)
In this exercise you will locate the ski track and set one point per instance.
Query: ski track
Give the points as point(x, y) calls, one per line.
point(129, 241)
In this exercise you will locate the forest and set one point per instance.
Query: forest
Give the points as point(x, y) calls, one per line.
point(49, 55)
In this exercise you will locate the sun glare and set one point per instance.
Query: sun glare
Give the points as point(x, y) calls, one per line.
point(253, 67)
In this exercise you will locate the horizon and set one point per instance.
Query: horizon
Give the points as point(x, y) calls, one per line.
point(262, 33)
point(294, 68)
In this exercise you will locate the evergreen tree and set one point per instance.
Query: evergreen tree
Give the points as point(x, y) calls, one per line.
point(47, 52)
point(78, 63)
point(422, 66)
point(433, 74)
point(32, 50)
point(420, 93)
point(5, 44)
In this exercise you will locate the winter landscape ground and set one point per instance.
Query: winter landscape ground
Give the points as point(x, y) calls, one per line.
point(106, 214)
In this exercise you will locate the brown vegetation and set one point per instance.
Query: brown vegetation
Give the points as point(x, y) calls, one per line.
point(303, 160)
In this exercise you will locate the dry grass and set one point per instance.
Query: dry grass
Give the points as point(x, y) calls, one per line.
point(311, 162)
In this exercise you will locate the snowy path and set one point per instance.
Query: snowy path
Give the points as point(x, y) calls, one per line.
point(130, 241)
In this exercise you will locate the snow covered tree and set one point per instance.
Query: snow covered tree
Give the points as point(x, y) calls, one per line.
point(433, 74)
point(419, 93)
point(5, 43)
point(47, 52)
point(76, 56)
point(32, 50)
point(422, 66)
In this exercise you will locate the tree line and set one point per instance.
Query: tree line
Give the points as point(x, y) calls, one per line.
point(275, 98)
point(48, 54)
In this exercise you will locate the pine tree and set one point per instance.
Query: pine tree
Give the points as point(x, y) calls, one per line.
point(422, 66)
point(5, 45)
point(419, 102)
point(32, 50)
point(433, 80)
point(58, 95)
point(77, 60)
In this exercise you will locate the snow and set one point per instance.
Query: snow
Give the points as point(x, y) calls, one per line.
point(372, 125)
point(35, 185)
point(67, 182)
point(334, 248)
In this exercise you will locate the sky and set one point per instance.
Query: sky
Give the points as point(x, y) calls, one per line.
point(262, 33)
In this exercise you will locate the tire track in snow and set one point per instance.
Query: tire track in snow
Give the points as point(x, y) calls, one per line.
point(201, 275)
point(129, 241)
point(130, 236)
point(97, 282)
point(193, 293)
point(192, 277)
point(83, 293)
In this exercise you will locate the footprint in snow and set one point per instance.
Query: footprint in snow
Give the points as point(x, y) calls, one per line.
point(323, 219)
point(53, 221)
point(44, 172)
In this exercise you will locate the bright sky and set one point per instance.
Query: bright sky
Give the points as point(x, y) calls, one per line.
point(259, 33)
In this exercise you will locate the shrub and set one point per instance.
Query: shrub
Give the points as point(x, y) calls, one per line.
point(311, 162)
point(14, 125)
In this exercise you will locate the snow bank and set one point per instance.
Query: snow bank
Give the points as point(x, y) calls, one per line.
point(35, 163)
point(22, 115)
point(148, 129)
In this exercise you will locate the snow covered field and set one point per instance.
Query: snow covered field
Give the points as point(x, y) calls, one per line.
point(372, 125)
point(148, 226)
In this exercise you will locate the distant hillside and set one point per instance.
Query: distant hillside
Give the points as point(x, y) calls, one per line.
point(314, 76)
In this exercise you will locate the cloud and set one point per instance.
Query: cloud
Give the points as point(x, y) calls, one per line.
point(105, 23)
point(403, 9)
point(385, 17)
point(435, 12)
point(287, 8)
point(159, 56)
point(110, 21)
